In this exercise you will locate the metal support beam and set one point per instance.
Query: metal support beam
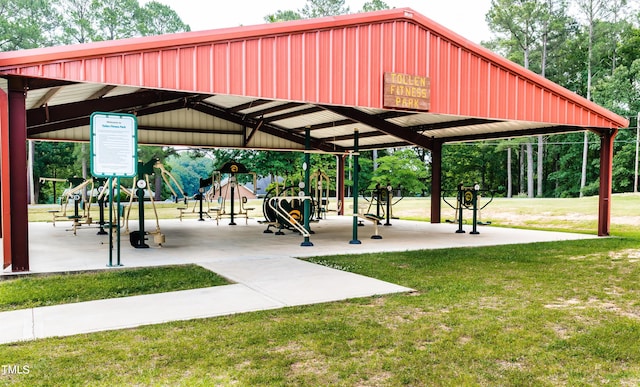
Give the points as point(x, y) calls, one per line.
point(340, 183)
point(436, 182)
point(265, 127)
point(356, 172)
point(14, 177)
point(307, 186)
point(382, 125)
point(606, 168)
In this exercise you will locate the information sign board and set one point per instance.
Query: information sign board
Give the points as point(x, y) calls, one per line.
point(114, 145)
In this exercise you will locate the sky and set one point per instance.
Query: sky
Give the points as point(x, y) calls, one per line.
point(465, 17)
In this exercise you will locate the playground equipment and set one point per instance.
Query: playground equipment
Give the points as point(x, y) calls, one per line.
point(203, 196)
point(383, 200)
point(468, 198)
point(320, 184)
point(229, 191)
point(289, 212)
point(74, 194)
point(284, 209)
point(171, 182)
point(138, 238)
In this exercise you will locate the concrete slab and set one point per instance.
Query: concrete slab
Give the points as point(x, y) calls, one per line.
point(264, 267)
point(52, 249)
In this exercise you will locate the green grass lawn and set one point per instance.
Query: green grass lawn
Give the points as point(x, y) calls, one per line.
point(544, 314)
point(33, 291)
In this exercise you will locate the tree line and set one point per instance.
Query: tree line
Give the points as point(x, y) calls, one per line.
point(588, 46)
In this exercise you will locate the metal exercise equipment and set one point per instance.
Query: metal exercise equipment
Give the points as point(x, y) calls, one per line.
point(320, 184)
point(284, 209)
point(74, 194)
point(468, 198)
point(288, 211)
point(138, 238)
point(170, 182)
point(293, 211)
point(232, 169)
point(206, 194)
point(383, 200)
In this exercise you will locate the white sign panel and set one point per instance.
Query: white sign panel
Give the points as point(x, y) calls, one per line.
point(114, 145)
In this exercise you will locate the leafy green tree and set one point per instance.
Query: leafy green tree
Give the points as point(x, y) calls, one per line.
point(52, 160)
point(470, 163)
point(147, 153)
point(27, 24)
point(282, 16)
point(79, 21)
point(155, 18)
point(522, 23)
point(519, 23)
point(402, 168)
point(115, 18)
point(188, 169)
point(591, 10)
point(312, 9)
point(287, 165)
point(320, 8)
point(374, 5)
point(620, 92)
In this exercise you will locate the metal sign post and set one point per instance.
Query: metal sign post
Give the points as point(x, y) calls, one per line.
point(114, 154)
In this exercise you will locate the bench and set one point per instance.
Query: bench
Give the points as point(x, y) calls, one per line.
point(373, 218)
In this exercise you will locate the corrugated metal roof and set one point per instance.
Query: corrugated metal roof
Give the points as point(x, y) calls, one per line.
point(261, 86)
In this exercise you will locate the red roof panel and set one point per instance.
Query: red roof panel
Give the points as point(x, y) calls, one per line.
point(336, 60)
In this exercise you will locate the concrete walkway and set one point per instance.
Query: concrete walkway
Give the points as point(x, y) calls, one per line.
point(262, 284)
point(263, 267)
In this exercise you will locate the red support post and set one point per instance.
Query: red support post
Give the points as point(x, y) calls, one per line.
point(606, 171)
point(13, 144)
point(4, 174)
point(436, 182)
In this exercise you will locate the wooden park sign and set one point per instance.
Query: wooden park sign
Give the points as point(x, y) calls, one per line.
point(406, 91)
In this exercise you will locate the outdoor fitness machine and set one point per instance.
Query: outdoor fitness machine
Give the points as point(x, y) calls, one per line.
point(285, 209)
point(383, 199)
point(138, 238)
point(81, 193)
point(233, 168)
point(290, 210)
point(321, 184)
point(203, 195)
point(468, 198)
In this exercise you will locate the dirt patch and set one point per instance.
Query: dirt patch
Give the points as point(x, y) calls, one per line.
point(510, 365)
point(309, 366)
point(561, 331)
point(464, 340)
point(490, 302)
point(292, 347)
point(596, 303)
point(378, 379)
point(564, 303)
point(632, 255)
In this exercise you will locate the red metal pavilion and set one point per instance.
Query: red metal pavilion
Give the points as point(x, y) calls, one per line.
point(261, 87)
